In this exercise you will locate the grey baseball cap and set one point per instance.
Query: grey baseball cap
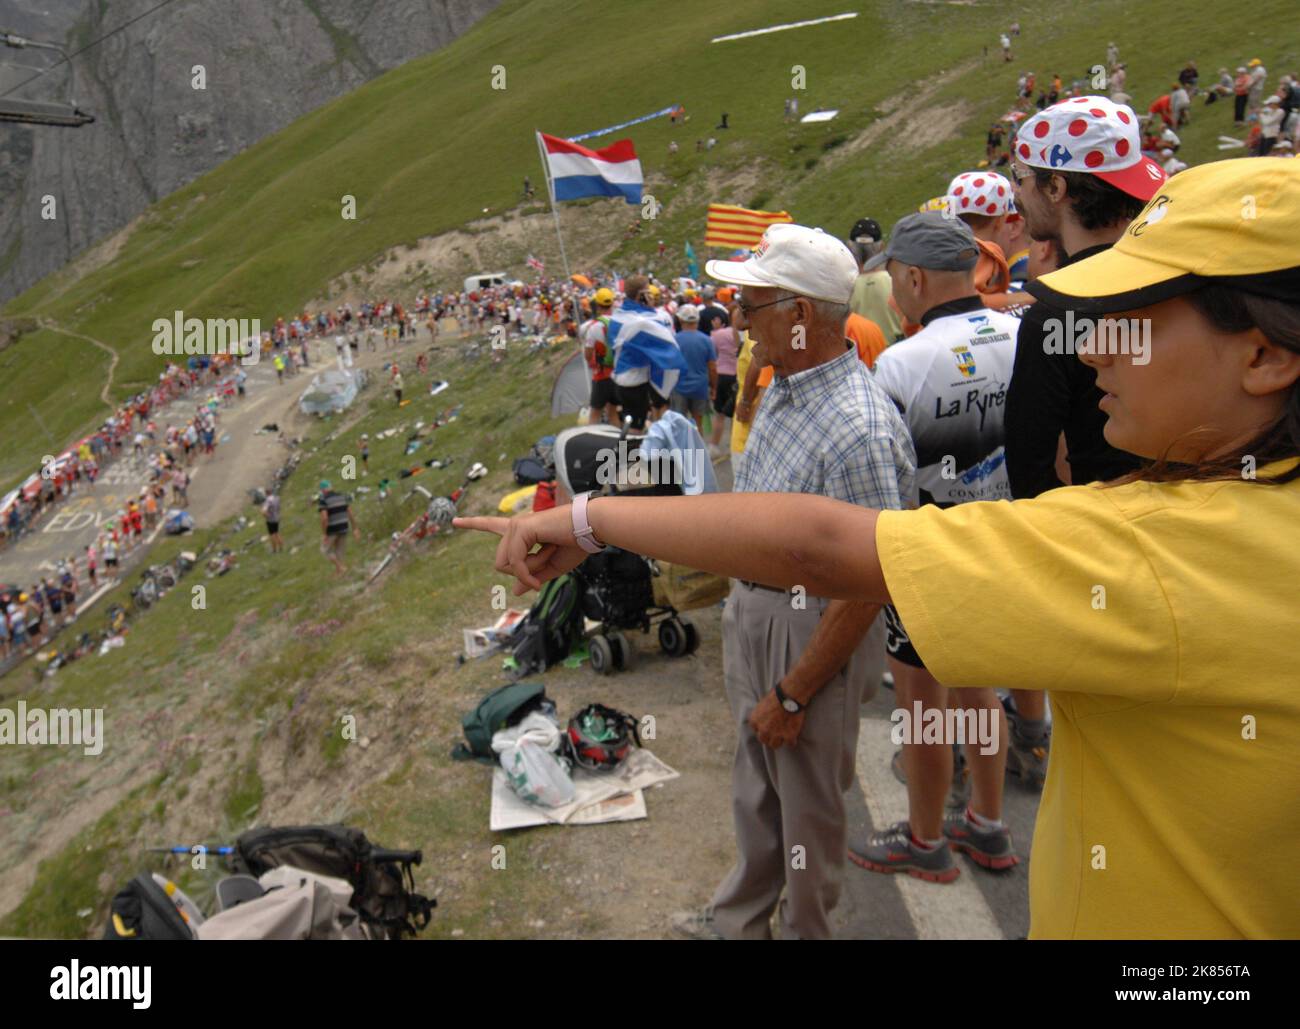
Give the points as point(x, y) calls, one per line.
point(930, 240)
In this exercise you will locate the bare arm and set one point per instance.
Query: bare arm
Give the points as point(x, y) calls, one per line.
point(841, 628)
point(777, 539)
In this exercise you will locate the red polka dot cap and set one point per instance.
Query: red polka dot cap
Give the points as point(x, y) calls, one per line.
point(1090, 134)
point(980, 192)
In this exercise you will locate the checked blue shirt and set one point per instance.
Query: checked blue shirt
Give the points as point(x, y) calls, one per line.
point(831, 431)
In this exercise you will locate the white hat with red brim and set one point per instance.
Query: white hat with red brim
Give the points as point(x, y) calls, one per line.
point(1094, 135)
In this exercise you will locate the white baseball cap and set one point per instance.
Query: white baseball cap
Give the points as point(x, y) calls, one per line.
point(1094, 135)
point(985, 193)
point(809, 262)
point(688, 313)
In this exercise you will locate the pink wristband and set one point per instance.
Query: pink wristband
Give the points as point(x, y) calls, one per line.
point(582, 530)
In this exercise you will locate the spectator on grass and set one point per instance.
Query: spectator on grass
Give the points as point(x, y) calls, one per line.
point(335, 520)
point(271, 512)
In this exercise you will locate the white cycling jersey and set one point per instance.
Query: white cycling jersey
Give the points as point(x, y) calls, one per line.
point(950, 382)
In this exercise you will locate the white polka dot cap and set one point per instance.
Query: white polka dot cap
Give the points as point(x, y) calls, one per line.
point(1095, 135)
point(980, 193)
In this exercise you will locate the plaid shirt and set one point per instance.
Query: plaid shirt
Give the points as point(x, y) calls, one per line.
point(831, 431)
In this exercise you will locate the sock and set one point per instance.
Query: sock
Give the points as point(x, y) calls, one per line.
point(927, 845)
point(980, 822)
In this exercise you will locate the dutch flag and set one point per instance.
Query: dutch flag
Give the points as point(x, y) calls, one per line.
point(577, 172)
point(645, 349)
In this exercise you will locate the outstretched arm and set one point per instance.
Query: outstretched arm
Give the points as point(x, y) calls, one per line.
point(778, 539)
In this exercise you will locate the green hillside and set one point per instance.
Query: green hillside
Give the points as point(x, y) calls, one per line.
point(428, 146)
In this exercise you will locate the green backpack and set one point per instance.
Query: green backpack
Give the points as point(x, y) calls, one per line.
point(500, 709)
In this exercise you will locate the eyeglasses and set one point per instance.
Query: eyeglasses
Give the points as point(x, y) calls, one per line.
point(1019, 173)
point(748, 309)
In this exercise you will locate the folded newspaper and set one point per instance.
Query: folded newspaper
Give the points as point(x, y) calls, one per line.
point(599, 797)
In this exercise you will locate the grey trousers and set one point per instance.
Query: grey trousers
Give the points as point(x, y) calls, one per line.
point(788, 804)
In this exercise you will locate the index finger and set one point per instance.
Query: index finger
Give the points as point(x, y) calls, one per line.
point(484, 523)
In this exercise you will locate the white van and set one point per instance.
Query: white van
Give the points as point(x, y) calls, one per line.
point(484, 280)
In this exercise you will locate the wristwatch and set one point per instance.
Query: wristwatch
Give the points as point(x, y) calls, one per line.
point(788, 702)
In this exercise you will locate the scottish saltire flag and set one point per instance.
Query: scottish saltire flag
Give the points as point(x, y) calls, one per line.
point(645, 349)
point(577, 172)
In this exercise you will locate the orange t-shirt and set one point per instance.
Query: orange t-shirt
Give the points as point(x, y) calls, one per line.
point(866, 336)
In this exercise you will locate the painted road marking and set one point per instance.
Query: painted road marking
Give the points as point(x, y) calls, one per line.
point(939, 911)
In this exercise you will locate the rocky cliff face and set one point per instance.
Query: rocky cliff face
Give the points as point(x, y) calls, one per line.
point(266, 62)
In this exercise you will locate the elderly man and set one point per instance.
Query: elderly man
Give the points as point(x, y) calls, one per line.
point(797, 667)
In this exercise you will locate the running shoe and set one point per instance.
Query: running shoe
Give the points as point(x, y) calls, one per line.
point(1026, 756)
point(988, 848)
point(894, 851)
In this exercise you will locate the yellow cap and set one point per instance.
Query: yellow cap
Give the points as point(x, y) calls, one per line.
point(934, 204)
point(1230, 222)
point(653, 290)
point(604, 297)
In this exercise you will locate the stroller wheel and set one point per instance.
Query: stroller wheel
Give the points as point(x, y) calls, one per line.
point(625, 654)
point(602, 655)
point(672, 637)
point(692, 636)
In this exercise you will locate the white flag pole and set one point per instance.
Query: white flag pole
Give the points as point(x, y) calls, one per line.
point(550, 192)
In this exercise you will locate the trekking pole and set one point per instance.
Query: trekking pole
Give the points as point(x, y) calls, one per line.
point(221, 850)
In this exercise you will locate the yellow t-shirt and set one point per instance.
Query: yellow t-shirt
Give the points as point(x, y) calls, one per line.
point(1163, 619)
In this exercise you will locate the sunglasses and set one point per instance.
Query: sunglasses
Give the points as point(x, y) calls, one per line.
point(747, 309)
point(1019, 173)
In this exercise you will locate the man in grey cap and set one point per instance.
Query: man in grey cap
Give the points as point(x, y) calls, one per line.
point(796, 667)
point(950, 382)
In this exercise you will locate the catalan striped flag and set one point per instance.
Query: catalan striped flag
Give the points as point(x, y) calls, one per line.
point(730, 226)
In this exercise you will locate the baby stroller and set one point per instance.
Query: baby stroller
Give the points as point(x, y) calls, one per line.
point(616, 586)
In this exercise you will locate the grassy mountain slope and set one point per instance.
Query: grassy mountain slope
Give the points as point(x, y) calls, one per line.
point(428, 146)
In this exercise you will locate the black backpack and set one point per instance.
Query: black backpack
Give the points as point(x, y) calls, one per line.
point(383, 885)
point(553, 626)
point(529, 470)
point(141, 910)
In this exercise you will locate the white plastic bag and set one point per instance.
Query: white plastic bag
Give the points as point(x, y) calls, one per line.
point(527, 754)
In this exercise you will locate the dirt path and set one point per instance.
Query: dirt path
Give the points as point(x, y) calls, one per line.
point(46, 323)
point(903, 110)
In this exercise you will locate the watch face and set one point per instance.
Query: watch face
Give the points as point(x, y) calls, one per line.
point(791, 706)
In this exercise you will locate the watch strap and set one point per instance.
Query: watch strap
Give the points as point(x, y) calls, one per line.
point(582, 530)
